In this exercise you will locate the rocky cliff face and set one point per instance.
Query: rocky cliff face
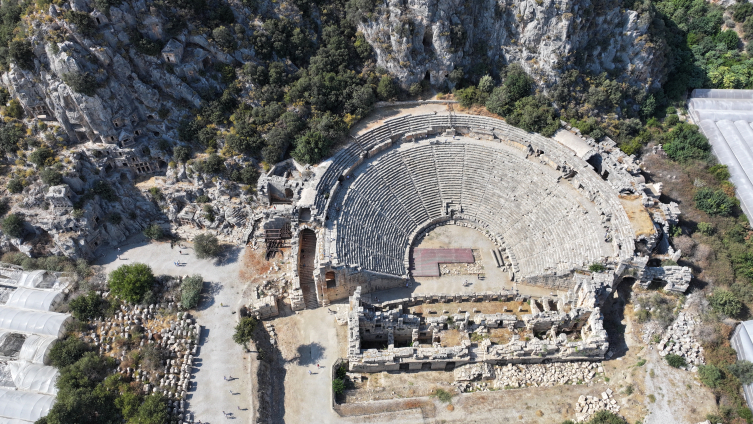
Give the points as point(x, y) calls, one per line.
point(416, 37)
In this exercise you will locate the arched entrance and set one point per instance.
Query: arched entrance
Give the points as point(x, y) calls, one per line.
point(306, 256)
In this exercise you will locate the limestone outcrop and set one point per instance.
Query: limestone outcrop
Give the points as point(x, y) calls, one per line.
point(414, 38)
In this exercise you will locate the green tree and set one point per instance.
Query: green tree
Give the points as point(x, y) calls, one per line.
point(720, 172)
point(13, 225)
point(533, 115)
point(153, 232)
point(725, 302)
point(67, 351)
point(21, 53)
point(87, 307)
point(244, 331)
point(311, 147)
point(338, 386)
point(224, 38)
point(486, 84)
point(206, 246)
point(743, 370)
point(386, 89)
point(84, 23)
point(190, 291)
point(131, 282)
point(152, 410)
point(714, 202)
point(729, 38)
point(10, 135)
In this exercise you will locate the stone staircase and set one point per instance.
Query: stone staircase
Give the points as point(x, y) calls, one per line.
point(306, 270)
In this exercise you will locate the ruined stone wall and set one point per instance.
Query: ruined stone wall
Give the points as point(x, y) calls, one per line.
point(387, 324)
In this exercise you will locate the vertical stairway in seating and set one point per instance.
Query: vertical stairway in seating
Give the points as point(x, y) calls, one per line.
point(306, 268)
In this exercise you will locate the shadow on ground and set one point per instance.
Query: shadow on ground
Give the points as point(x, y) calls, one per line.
point(208, 292)
point(270, 375)
point(309, 354)
point(229, 256)
point(614, 315)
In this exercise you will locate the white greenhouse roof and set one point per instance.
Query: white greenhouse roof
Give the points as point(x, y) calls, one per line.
point(19, 407)
point(726, 118)
point(34, 377)
point(31, 278)
point(36, 349)
point(742, 342)
point(36, 322)
point(41, 300)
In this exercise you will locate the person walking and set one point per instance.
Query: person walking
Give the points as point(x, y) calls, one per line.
point(309, 372)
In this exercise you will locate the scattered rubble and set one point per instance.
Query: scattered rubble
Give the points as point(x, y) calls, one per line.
point(589, 405)
point(678, 339)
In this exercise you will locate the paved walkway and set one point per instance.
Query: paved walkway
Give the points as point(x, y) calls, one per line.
point(218, 355)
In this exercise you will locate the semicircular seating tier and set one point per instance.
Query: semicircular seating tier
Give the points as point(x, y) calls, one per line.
point(546, 206)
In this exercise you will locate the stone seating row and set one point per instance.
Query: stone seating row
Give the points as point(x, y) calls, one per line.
point(539, 227)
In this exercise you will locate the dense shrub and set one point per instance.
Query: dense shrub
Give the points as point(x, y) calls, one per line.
point(131, 282)
point(244, 331)
point(15, 185)
point(83, 21)
point(13, 225)
point(597, 267)
point(145, 45)
point(206, 246)
point(41, 156)
point(104, 190)
point(714, 202)
point(85, 84)
point(247, 175)
point(710, 375)
point(725, 302)
point(190, 291)
point(214, 164)
point(182, 153)
point(14, 109)
point(10, 135)
point(675, 361)
point(51, 177)
point(684, 142)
